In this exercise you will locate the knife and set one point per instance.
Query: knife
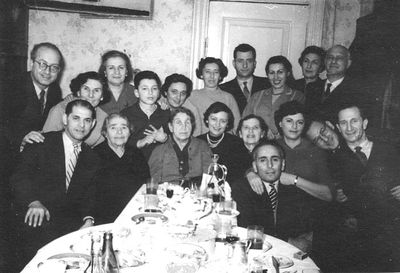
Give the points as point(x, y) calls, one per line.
point(275, 263)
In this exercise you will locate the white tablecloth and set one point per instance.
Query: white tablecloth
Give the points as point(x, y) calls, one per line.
point(79, 241)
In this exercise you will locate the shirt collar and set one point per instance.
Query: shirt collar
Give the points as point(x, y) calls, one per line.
point(268, 185)
point(365, 145)
point(38, 90)
point(334, 83)
point(68, 144)
point(249, 82)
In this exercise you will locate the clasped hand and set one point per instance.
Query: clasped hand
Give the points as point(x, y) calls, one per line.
point(36, 214)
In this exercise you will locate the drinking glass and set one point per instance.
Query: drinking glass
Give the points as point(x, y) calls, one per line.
point(255, 236)
point(151, 186)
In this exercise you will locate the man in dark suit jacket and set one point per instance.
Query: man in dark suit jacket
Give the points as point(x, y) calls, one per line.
point(280, 215)
point(338, 89)
point(368, 213)
point(51, 197)
point(245, 84)
point(29, 106)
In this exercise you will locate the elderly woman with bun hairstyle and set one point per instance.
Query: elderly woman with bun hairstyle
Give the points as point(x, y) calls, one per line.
point(212, 71)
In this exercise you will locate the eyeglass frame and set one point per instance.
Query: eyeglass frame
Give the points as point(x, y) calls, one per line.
point(54, 68)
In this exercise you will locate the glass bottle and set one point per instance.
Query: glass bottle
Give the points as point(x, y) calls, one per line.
point(109, 261)
point(218, 174)
point(97, 265)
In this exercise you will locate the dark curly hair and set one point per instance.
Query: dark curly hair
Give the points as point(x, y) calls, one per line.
point(114, 54)
point(286, 64)
point(82, 78)
point(314, 50)
point(174, 78)
point(223, 70)
point(291, 108)
point(217, 107)
point(146, 74)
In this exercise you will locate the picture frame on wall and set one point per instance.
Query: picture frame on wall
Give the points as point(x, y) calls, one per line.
point(138, 9)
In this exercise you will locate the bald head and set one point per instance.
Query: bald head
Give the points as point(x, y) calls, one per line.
point(337, 62)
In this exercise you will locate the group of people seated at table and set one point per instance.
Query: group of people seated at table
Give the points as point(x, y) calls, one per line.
point(299, 160)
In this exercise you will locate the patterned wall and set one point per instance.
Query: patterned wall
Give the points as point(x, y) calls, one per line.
point(162, 44)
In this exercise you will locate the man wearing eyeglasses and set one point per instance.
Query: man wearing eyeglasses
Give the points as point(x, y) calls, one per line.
point(30, 105)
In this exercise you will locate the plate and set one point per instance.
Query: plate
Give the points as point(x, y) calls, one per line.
point(266, 260)
point(149, 218)
point(71, 261)
point(130, 257)
point(188, 251)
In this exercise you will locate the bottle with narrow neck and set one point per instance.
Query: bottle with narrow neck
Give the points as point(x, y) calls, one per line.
point(109, 261)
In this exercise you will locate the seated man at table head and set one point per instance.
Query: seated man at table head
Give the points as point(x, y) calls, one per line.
point(245, 83)
point(277, 208)
point(53, 185)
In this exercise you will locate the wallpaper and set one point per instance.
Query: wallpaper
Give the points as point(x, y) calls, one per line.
point(162, 44)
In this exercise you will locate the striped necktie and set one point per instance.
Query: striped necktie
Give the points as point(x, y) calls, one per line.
point(273, 197)
point(71, 165)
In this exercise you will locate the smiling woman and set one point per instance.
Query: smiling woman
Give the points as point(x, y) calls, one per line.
point(218, 118)
point(266, 102)
point(87, 86)
point(212, 71)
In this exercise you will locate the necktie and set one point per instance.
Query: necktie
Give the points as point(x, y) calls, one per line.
point(328, 90)
point(273, 197)
point(41, 101)
point(246, 90)
point(361, 155)
point(71, 165)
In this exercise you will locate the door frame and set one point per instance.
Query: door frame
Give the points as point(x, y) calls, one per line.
point(200, 27)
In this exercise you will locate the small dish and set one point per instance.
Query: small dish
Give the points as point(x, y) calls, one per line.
point(266, 260)
point(70, 261)
point(150, 218)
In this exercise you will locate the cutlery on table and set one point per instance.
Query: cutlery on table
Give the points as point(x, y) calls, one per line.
point(275, 263)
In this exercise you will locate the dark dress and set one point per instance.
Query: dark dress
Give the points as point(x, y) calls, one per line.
point(233, 154)
point(117, 181)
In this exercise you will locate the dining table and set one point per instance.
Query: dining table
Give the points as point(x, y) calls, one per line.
point(176, 241)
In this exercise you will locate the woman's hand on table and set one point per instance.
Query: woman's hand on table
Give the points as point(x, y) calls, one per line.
point(36, 213)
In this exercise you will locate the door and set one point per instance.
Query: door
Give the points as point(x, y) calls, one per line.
point(276, 27)
point(272, 29)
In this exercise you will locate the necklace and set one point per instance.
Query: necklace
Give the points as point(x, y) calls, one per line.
point(214, 143)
